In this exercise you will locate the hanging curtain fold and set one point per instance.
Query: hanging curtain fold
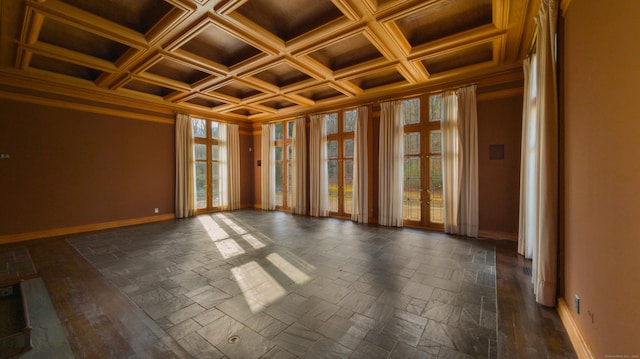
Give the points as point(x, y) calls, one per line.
point(318, 181)
point(299, 166)
point(545, 253)
point(391, 163)
point(360, 211)
point(233, 135)
point(468, 134)
point(223, 167)
point(185, 206)
point(528, 216)
point(451, 165)
point(268, 174)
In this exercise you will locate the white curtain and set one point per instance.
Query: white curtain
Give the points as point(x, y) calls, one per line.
point(360, 211)
point(233, 135)
point(318, 181)
point(223, 168)
point(391, 164)
point(268, 172)
point(528, 220)
point(468, 133)
point(185, 206)
point(544, 196)
point(451, 165)
point(299, 166)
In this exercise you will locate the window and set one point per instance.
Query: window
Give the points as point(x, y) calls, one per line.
point(283, 146)
point(422, 203)
point(209, 164)
point(340, 127)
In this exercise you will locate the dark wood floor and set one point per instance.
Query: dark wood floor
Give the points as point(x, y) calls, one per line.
point(103, 303)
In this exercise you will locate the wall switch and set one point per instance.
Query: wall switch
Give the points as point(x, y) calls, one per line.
point(156, 210)
point(5, 155)
point(576, 302)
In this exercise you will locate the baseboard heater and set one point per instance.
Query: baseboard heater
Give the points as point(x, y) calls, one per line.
point(15, 328)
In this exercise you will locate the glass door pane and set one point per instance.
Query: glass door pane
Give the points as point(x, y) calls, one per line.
point(348, 186)
point(411, 192)
point(332, 169)
point(215, 184)
point(201, 185)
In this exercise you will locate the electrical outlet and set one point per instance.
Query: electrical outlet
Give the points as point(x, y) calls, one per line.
point(576, 302)
point(156, 210)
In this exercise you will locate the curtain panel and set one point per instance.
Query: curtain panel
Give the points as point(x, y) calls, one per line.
point(391, 164)
point(268, 174)
point(299, 166)
point(233, 135)
point(468, 133)
point(185, 206)
point(451, 165)
point(318, 181)
point(360, 211)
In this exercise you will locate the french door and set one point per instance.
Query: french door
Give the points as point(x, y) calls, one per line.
point(340, 128)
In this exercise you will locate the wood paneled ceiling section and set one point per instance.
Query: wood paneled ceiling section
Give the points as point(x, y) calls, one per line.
point(260, 59)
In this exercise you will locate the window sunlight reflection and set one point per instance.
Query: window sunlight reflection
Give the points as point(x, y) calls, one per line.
point(229, 248)
point(291, 271)
point(213, 229)
point(253, 241)
point(235, 227)
point(258, 287)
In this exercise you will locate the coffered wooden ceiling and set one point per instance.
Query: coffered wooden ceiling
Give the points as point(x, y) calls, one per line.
point(259, 59)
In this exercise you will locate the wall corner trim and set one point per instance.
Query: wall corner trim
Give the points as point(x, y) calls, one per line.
point(577, 339)
point(20, 237)
point(564, 5)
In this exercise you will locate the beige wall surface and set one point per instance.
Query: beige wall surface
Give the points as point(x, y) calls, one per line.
point(70, 168)
point(602, 173)
point(499, 123)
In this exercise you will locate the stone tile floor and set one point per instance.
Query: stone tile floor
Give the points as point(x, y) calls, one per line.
point(252, 284)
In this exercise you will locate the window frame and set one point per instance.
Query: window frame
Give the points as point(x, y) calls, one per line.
point(341, 136)
point(209, 141)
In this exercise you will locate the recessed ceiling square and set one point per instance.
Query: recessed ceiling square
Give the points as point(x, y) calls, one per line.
point(278, 103)
point(458, 59)
point(245, 112)
point(217, 45)
point(72, 38)
point(205, 102)
point(63, 67)
point(444, 18)
point(177, 71)
point(379, 78)
point(282, 75)
point(320, 93)
point(148, 88)
point(138, 15)
point(289, 19)
point(348, 52)
point(237, 90)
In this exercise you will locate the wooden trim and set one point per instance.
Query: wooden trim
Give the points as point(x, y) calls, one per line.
point(498, 235)
point(495, 95)
point(577, 339)
point(564, 5)
point(19, 237)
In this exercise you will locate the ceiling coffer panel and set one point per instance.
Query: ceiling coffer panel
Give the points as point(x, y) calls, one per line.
point(64, 68)
point(444, 18)
point(217, 45)
point(282, 75)
point(138, 15)
point(288, 19)
point(346, 53)
point(151, 89)
point(459, 59)
point(237, 90)
point(321, 93)
point(204, 102)
point(177, 71)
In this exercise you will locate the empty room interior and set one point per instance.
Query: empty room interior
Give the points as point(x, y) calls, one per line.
point(319, 179)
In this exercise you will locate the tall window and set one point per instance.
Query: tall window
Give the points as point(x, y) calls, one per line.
point(422, 203)
point(283, 145)
point(208, 164)
point(340, 146)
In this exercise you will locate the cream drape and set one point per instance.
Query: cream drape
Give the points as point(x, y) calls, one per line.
point(233, 135)
point(545, 202)
point(268, 173)
point(318, 181)
point(360, 211)
point(185, 178)
point(528, 218)
point(451, 166)
point(468, 133)
point(223, 144)
point(391, 164)
point(299, 166)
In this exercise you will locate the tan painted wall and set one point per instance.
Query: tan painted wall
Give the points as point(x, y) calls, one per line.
point(602, 169)
point(69, 168)
point(499, 123)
